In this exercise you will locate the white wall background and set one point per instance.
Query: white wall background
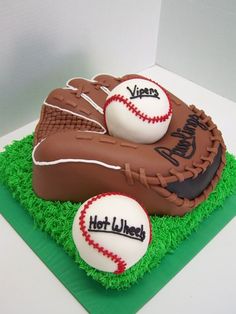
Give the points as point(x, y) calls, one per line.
point(197, 40)
point(44, 43)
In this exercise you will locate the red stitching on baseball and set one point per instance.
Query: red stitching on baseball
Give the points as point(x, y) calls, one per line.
point(131, 106)
point(121, 264)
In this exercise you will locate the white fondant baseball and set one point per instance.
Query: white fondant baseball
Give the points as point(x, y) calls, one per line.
point(111, 232)
point(138, 110)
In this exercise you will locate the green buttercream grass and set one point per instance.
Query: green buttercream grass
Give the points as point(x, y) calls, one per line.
point(56, 218)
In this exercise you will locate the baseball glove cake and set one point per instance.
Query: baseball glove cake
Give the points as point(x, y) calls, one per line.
point(75, 158)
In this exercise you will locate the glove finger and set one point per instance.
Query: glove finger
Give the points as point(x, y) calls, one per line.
point(91, 91)
point(67, 109)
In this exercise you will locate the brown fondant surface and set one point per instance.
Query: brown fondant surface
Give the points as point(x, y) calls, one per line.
point(143, 172)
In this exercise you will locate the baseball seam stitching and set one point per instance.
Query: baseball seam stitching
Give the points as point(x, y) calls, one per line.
point(121, 264)
point(131, 107)
point(154, 82)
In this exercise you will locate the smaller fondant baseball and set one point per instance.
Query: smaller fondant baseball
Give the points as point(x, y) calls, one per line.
point(111, 232)
point(138, 110)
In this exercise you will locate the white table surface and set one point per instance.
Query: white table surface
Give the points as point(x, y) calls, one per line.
point(206, 285)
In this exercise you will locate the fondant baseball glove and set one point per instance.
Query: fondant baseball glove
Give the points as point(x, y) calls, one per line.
point(75, 158)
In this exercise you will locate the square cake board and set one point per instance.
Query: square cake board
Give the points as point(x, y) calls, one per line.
point(89, 293)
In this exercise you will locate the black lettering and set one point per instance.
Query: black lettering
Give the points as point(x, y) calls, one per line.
point(186, 146)
point(132, 92)
point(132, 231)
point(115, 227)
point(187, 130)
point(137, 232)
point(142, 233)
point(156, 94)
point(143, 92)
point(93, 222)
point(106, 223)
point(146, 91)
point(121, 228)
point(99, 224)
point(126, 228)
point(167, 154)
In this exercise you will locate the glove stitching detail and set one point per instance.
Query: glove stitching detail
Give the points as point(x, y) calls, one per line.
point(195, 170)
point(162, 180)
point(128, 174)
point(143, 178)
